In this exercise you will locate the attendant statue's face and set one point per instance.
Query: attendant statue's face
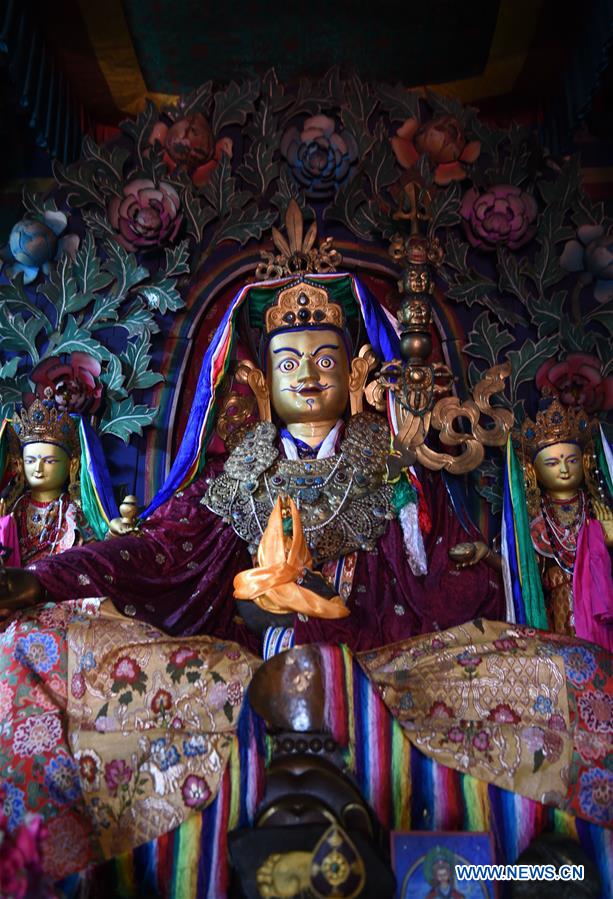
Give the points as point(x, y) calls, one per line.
point(46, 468)
point(559, 468)
point(308, 375)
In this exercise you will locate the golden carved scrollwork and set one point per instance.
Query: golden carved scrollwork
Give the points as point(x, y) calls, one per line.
point(417, 409)
point(297, 254)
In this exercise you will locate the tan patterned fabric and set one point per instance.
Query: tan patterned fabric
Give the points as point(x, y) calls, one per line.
point(485, 698)
point(151, 722)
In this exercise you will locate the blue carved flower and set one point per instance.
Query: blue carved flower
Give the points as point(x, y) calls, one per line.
point(579, 662)
point(596, 795)
point(34, 243)
point(164, 756)
point(13, 805)
point(37, 651)
point(62, 779)
point(591, 255)
point(320, 156)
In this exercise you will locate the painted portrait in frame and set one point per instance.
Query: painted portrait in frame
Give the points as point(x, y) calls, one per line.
point(425, 862)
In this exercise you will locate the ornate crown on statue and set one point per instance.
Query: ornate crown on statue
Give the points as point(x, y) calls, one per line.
point(303, 305)
point(555, 423)
point(44, 422)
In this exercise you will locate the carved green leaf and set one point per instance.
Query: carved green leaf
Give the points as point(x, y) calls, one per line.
point(14, 293)
point(244, 224)
point(445, 208)
point(443, 104)
point(124, 268)
point(74, 339)
point(233, 105)
point(263, 123)
point(110, 160)
point(491, 483)
point(37, 203)
point(61, 290)
point(510, 274)
point(197, 215)
point(86, 268)
point(139, 130)
point(198, 100)
point(96, 220)
point(220, 188)
point(526, 361)
point(176, 260)
point(574, 338)
point(18, 334)
point(78, 182)
point(604, 317)
point(259, 168)
point(397, 101)
point(545, 312)
point(137, 319)
point(123, 418)
point(487, 340)
point(161, 295)
point(602, 347)
point(287, 189)
point(349, 197)
point(380, 166)
point(113, 379)
point(136, 363)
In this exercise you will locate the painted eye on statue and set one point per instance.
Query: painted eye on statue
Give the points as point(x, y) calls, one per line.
point(287, 365)
point(326, 362)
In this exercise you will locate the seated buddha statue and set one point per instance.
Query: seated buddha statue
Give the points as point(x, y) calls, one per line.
point(42, 487)
point(293, 533)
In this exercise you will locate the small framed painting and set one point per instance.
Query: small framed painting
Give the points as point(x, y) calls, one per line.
point(426, 864)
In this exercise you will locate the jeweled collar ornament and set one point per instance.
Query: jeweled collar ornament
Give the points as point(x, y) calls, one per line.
point(44, 422)
point(555, 423)
point(303, 305)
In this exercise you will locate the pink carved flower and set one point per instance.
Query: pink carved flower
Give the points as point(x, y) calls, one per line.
point(126, 670)
point(577, 381)
point(189, 143)
point(161, 702)
point(456, 735)
point(195, 791)
point(146, 216)
point(481, 740)
point(183, 656)
point(75, 383)
point(502, 216)
point(592, 256)
point(117, 773)
point(440, 709)
point(442, 140)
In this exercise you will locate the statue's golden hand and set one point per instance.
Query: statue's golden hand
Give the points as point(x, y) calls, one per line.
point(121, 527)
point(19, 589)
point(604, 514)
point(465, 554)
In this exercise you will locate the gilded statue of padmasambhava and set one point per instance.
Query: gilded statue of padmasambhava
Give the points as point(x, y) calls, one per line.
point(357, 549)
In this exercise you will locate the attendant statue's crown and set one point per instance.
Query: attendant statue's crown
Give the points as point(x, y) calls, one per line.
point(303, 305)
point(555, 423)
point(44, 422)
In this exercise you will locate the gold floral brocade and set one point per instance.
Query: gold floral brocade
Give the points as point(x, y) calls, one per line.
point(151, 719)
point(485, 700)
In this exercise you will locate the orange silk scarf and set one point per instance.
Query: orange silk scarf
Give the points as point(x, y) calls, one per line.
point(272, 585)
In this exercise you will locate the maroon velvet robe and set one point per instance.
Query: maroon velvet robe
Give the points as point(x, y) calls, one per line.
point(178, 576)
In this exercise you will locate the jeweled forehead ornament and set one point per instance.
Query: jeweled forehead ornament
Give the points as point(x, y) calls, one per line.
point(303, 305)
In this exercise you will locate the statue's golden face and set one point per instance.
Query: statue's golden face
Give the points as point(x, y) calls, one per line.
point(46, 467)
point(559, 468)
point(308, 376)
